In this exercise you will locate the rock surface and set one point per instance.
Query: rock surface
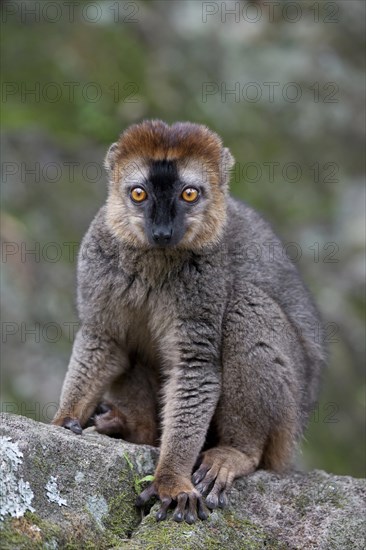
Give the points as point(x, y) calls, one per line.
point(59, 490)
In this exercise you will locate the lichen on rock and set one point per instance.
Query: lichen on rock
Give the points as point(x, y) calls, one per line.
point(53, 493)
point(47, 467)
point(16, 494)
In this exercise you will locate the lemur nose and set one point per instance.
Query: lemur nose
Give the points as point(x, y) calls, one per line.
point(162, 235)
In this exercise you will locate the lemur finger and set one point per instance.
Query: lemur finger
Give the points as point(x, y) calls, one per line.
point(212, 499)
point(223, 501)
point(202, 511)
point(204, 487)
point(180, 509)
point(207, 482)
point(162, 513)
point(73, 425)
point(217, 496)
point(146, 495)
point(200, 474)
point(191, 513)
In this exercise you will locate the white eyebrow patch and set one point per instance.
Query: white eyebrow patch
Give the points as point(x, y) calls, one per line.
point(134, 172)
point(193, 172)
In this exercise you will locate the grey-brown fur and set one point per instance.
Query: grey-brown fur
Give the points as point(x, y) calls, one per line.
point(227, 331)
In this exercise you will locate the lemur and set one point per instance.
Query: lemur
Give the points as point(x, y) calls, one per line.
point(194, 345)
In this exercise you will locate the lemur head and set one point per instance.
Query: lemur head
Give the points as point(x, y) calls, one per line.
point(168, 185)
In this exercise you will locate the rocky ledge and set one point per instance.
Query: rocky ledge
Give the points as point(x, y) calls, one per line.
point(59, 490)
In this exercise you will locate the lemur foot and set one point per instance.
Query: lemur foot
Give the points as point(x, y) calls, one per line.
point(178, 492)
point(109, 420)
point(218, 469)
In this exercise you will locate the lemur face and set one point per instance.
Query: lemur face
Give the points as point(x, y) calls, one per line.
point(167, 186)
point(167, 201)
point(164, 201)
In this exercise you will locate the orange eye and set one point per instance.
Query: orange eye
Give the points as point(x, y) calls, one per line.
point(138, 194)
point(190, 194)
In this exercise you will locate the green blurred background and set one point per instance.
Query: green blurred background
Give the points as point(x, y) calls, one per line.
point(283, 83)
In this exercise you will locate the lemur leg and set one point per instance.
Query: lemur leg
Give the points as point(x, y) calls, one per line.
point(191, 395)
point(95, 362)
point(131, 407)
point(256, 417)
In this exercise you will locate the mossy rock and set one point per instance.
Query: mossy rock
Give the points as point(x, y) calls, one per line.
point(66, 491)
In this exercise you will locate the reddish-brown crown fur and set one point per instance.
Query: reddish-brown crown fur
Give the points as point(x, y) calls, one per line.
point(154, 139)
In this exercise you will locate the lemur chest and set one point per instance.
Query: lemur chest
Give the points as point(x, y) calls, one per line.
point(150, 304)
point(146, 324)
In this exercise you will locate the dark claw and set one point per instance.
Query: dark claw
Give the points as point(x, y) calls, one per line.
point(146, 495)
point(223, 499)
point(178, 516)
point(190, 518)
point(73, 425)
point(212, 501)
point(179, 511)
point(191, 514)
point(162, 513)
point(204, 487)
point(199, 474)
point(202, 511)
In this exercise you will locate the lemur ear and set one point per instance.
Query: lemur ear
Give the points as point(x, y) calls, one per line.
point(110, 158)
point(227, 162)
